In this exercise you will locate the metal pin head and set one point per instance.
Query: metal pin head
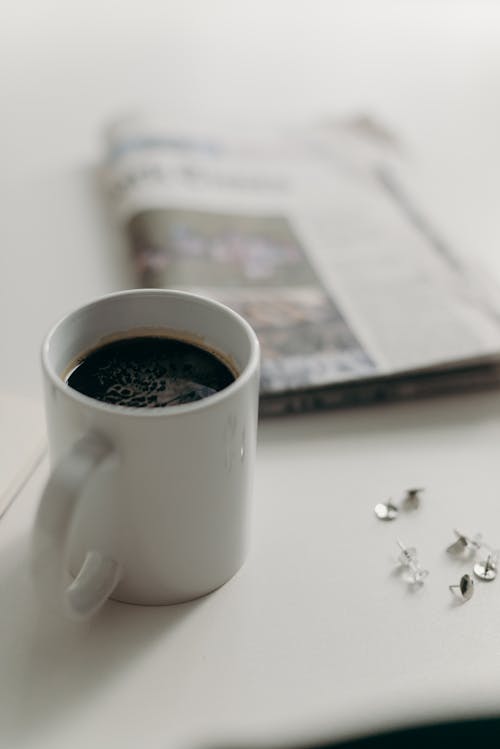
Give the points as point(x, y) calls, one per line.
point(464, 545)
point(386, 510)
point(412, 498)
point(486, 569)
point(465, 586)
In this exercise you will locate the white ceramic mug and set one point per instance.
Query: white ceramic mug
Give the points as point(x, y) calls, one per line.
point(148, 506)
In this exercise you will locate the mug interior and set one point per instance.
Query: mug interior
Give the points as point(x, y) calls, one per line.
point(177, 314)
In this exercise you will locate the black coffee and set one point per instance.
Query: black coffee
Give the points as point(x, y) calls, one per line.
point(149, 372)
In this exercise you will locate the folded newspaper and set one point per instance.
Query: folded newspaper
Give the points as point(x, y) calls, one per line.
point(310, 236)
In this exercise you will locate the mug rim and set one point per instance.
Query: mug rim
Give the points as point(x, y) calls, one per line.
point(239, 382)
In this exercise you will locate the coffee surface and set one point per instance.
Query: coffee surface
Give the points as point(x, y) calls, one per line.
point(149, 372)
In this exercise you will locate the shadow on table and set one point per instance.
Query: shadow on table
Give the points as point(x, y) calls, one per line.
point(457, 734)
point(52, 666)
point(423, 415)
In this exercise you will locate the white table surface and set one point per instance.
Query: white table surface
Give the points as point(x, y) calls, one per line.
point(316, 636)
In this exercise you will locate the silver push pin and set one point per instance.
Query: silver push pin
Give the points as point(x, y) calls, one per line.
point(464, 545)
point(386, 510)
point(465, 586)
point(486, 569)
point(408, 558)
point(412, 498)
point(389, 510)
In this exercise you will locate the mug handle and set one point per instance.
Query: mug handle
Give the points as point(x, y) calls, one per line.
point(99, 574)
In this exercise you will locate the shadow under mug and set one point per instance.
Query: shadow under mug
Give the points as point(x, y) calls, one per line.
point(148, 506)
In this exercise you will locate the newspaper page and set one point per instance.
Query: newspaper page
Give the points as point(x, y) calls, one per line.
point(313, 240)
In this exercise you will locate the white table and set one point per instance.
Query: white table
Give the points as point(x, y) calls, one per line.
point(316, 636)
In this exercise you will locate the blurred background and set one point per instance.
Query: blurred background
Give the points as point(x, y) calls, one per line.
point(428, 69)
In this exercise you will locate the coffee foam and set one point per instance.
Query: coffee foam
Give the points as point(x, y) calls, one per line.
point(149, 371)
point(151, 332)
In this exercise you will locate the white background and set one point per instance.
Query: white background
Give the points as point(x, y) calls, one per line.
point(316, 636)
